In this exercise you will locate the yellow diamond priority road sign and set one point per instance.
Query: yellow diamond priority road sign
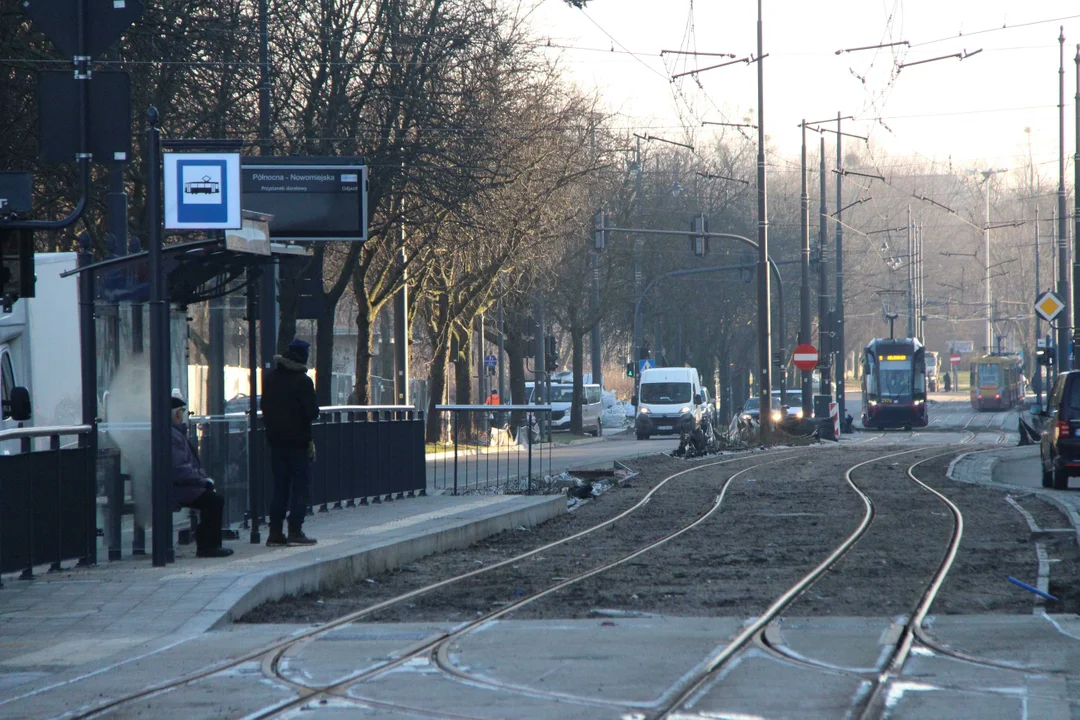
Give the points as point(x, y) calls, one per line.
point(1049, 305)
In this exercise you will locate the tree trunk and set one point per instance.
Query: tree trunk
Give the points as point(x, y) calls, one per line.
point(515, 361)
point(288, 301)
point(361, 393)
point(463, 381)
point(436, 386)
point(324, 359)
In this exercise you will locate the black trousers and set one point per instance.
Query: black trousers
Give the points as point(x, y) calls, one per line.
point(292, 485)
point(210, 506)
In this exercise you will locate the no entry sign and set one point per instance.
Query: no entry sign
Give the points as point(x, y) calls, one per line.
point(955, 358)
point(806, 357)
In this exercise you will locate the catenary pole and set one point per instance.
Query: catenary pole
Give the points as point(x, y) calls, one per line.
point(160, 444)
point(1076, 212)
point(804, 288)
point(764, 314)
point(910, 279)
point(824, 338)
point(1062, 220)
point(839, 312)
point(1038, 290)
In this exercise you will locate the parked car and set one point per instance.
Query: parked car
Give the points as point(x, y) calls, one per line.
point(751, 409)
point(562, 396)
point(240, 404)
point(1059, 447)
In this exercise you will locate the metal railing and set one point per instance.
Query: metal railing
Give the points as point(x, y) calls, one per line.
point(47, 500)
point(485, 446)
point(364, 453)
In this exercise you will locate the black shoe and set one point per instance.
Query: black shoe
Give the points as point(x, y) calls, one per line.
point(276, 538)
point(218, 552)
point(297, 537)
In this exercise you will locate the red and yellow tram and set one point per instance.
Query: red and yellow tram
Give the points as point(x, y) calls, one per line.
point(995, 382)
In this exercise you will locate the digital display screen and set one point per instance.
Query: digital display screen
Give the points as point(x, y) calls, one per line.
point(896, 357)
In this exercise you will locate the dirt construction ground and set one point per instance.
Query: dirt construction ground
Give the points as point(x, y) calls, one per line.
point(780, 517)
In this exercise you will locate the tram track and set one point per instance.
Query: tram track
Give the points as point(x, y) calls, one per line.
point(436, 651)
point(273, 653)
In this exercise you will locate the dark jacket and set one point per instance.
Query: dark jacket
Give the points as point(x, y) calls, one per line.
point(288, 404)
point(189, 480)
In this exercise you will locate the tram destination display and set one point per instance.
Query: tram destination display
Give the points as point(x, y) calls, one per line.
point(311, 198)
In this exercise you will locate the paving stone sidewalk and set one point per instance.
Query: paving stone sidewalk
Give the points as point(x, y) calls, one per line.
point(61, 624)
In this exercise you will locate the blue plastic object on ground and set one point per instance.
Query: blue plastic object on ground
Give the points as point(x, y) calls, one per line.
point(1037, 591)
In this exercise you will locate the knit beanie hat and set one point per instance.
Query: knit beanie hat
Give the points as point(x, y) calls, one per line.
point(298, 350)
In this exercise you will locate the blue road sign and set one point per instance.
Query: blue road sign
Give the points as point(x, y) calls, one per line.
point(644, 365)
point(202, 191)
point(490, 361)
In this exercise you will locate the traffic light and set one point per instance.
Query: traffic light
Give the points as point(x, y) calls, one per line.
point(630, 370)
point(699, 241)
point(16, 266)
point(600, 232)
point(551, 353)
point(1044, 356)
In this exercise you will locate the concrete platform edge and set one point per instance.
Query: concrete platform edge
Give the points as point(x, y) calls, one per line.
point(336, 570)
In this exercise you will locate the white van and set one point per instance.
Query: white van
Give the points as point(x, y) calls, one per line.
point(562, 396)
point(670, 400)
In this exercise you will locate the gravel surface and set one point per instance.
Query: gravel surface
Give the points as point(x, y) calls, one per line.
point(776, 523)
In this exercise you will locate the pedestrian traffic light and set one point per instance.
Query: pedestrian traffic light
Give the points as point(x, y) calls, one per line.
point(1043, 356)
point(630, 372)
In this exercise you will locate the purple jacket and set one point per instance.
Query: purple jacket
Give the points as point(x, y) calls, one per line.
point(189, 480)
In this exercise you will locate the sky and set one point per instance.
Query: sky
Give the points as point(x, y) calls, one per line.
point(972, 113)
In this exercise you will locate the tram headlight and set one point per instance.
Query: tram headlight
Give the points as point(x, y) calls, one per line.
point(873, 403)
point(776, 415)
point(798, 413)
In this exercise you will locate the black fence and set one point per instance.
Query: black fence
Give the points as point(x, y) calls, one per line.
point(47, 500)
point(491, 446)
point(364, 454)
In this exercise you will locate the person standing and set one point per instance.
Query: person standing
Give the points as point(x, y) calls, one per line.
point(288, 408)
point(193, 489)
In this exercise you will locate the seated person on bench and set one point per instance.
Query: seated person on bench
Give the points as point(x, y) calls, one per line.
point(192, 489)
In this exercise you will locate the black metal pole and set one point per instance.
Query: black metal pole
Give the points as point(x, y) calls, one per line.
point(764, 310)
point(839, 317)
point(824, 343)
point(595, 340)
point(401, 331)
point(268, 305)
point(1038, 319)
point(254, 494)
point(1076, 214)
point(89, 441)
point(217, 430)
point(160, 444)
point(804, 288)
point(1062, 219)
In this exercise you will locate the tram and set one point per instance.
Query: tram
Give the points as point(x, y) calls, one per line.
point(995, 382)
point(894, 384)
